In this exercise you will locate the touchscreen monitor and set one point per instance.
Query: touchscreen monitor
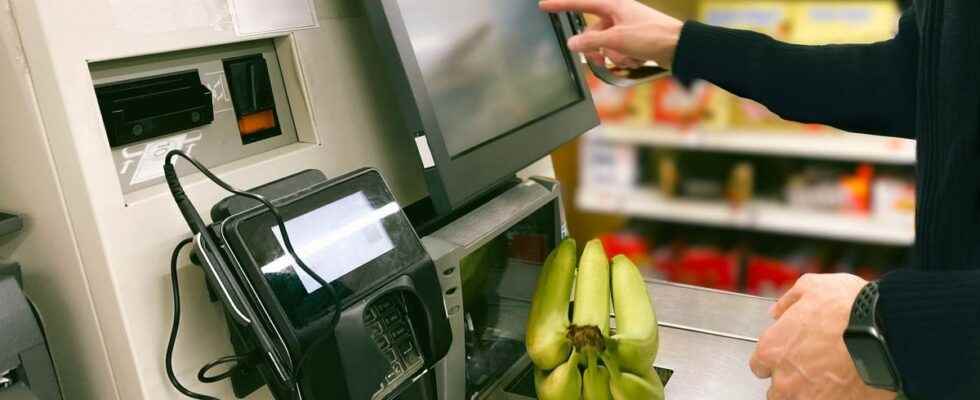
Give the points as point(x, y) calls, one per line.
point(490, 67)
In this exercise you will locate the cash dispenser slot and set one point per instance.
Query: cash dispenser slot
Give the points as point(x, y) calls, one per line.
point(145, 108)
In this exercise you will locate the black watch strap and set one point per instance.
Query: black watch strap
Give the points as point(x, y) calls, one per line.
point(865, 341)
point(864, 311)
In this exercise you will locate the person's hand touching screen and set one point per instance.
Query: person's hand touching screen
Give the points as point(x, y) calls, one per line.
point(627, 32)
point(804, 352)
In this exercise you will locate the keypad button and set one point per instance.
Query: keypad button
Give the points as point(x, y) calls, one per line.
point(398, 330)
point(405, 346)
point(411, 358)
point(379, 338)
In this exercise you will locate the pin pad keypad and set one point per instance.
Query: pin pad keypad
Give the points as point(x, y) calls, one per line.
point(387, 323)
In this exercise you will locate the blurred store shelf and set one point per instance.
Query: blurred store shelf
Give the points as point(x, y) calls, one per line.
point(760, 215)
point(830, 145)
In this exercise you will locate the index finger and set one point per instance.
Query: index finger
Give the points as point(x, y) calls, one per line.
point(787, 300)
point(602, 8)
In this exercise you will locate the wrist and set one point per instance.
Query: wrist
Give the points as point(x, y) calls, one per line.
point(685, 49)
point(673, 38)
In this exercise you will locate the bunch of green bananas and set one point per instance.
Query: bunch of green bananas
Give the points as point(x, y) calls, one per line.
point(619, 366)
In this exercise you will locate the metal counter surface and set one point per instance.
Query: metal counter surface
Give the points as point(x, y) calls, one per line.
point(710, 311)
point(706, 339)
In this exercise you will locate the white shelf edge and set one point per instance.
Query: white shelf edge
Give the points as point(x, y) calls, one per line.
point(762, 216)
point(830, 145)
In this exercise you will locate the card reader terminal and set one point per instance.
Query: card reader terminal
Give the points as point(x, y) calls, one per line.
point(393, 325)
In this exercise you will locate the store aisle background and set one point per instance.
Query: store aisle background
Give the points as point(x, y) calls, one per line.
point(708, 189)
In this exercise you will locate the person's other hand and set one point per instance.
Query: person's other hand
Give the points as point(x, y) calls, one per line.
point(804, 352)
point(629, 33)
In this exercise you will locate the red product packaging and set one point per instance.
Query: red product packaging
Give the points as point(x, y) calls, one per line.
point(612, 103)
point(706, 267)
point(770, 277)
point(631, 245)
point(673, 104)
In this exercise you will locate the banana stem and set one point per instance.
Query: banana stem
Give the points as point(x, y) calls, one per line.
point(587, 337)
point(592, 356)
point(613, 366)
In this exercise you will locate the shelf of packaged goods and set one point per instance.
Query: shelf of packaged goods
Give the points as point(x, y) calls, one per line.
point(759, 215)
point(826, 144)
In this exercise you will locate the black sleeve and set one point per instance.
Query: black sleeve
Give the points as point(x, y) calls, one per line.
point(867, 88)
point(932, 324)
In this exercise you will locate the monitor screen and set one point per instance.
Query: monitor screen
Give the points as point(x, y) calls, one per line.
point(490, 67)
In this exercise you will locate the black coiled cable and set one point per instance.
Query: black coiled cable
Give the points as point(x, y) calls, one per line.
point(178, 192)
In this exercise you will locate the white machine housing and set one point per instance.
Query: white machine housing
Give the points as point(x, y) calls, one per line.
point(95, 256)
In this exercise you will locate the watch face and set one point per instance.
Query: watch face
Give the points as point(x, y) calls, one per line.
point(871, 360)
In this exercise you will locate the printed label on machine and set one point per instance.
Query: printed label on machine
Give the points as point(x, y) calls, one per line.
point(255, 17)
point(335, 239)
point(150, 165)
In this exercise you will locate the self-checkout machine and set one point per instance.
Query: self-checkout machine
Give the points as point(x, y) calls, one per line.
point(98, 91)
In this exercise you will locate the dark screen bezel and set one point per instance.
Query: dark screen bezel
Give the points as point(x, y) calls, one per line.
point(260, 220)
point(455, 181)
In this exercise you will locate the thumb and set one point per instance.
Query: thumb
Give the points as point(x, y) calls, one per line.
point(591, 41)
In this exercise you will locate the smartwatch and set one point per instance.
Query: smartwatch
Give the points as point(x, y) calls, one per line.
point(865, 341)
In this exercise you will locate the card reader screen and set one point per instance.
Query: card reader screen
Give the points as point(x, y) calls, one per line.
point(352, 234)
point(334, 239)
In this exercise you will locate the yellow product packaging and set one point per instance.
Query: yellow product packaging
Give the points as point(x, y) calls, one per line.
point(748, 114)
point(700, 105)
point(827, 22)
point(641, 106)
point(773, 18)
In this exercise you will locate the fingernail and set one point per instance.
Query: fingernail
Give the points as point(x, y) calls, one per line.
point(772, 309)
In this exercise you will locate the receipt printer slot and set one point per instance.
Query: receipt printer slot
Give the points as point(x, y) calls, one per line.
point(145, 108)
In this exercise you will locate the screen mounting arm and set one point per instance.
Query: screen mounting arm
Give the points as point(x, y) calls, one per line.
point(622, 77)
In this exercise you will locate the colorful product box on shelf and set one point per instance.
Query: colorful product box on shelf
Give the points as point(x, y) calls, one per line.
point(607, 165)
point(807, 22)
point(700, 104)
point(816, 188)
point(822, 22)
point(770, 277)
point(611, 102)
point(620, 105)
point(893, 199)
point(773, 18)
point(634, 246)
point(705, 266)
